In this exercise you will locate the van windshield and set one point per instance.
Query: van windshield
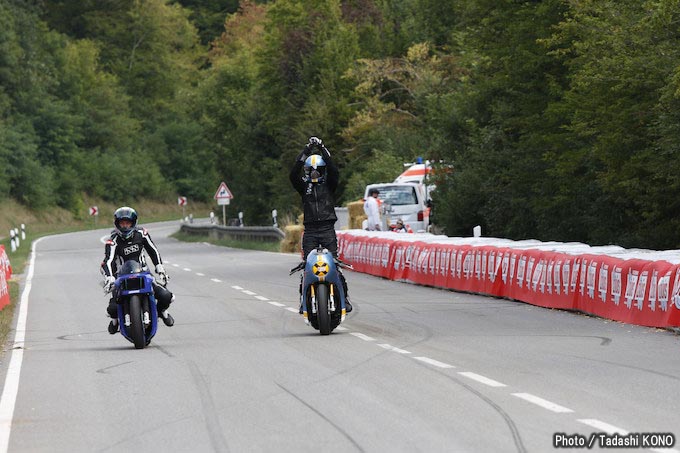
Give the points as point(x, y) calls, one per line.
point(398, 195)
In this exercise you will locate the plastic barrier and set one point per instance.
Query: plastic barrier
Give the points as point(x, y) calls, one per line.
point(5, 275)
point(638, 287)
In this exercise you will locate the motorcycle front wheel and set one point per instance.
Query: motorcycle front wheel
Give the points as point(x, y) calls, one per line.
point(136, 329)
point(322, 310)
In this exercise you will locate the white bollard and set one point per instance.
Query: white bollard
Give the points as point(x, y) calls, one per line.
point(477, 231)
point(276, 224)
point(13, 244)
point(240, 219)
point(23, 232)
point(16, 237)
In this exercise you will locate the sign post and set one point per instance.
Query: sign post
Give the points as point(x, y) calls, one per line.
point(223, 196)
point(94, 213)
point(182, 201)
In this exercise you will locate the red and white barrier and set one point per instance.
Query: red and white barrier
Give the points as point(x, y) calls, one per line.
point(5, 275)
point(634, 286)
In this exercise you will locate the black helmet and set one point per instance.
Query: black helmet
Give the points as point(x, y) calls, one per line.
point(125, 213)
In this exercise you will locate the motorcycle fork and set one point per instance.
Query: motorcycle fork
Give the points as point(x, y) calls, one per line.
point(147, 312)
point(332, 299)
point(314, 306)
point(126, 313)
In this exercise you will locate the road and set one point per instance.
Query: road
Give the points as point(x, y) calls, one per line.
point(414, 368)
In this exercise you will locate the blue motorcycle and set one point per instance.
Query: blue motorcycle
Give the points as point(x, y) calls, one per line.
point(322, 298)
point(137, 312)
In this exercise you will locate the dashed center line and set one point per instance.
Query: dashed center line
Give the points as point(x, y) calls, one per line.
point(277, 304)
point(602, 426)
point(436, 363)
point(186, 269)
point(362, 336)
point(545, 404)
point(389, 347)
point(482, 379)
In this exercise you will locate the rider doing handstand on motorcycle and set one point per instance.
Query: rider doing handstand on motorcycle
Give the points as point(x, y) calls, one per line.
point(127, 242)
point(317, 187)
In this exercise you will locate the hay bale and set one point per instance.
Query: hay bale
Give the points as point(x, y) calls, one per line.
point(292, 243)
point(355, 209)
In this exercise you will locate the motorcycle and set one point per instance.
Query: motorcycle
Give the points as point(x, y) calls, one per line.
point(137, 312)
point(322, 297)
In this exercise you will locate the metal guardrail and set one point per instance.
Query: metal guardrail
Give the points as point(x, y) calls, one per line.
point(253, 233)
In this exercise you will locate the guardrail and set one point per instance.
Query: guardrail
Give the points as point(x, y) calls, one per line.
point(253, 233)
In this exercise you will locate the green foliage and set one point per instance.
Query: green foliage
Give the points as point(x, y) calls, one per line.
point(552, 120)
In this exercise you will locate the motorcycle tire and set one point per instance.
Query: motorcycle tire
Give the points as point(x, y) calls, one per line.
point(324, 317)
point(136, 329)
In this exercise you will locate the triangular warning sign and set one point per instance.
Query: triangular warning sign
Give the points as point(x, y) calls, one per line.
point(223, 192)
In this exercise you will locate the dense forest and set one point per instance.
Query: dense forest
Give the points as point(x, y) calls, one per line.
point(553, 119)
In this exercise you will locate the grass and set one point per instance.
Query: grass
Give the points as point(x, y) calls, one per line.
point(250, 245)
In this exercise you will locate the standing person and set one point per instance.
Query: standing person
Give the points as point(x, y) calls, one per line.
point(127, 242)
point(317, 187)
point(372, 210)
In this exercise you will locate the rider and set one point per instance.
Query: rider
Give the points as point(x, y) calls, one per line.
point(127, 242)
point(317, 187)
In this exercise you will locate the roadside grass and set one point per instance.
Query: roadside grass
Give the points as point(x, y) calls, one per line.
point(7, 313)
point(249, 245)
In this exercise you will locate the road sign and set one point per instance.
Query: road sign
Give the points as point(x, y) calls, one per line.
point(182, 201)
point(223, 194)
point(94, 210)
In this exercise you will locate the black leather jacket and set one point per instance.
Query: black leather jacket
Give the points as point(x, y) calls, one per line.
point(118, 250)
point(318, 199)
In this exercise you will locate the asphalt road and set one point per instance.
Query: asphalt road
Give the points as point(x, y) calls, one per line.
point(413, 368)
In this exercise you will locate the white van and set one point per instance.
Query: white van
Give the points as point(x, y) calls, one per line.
point(405, 201)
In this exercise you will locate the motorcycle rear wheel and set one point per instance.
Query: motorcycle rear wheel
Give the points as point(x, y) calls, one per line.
point(136, 329)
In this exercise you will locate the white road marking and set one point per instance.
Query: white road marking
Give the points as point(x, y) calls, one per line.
point(9, 392)
point(482, 379)
point(176, 265)
point(186, 269)
point(277, 304)
point(250, 293)
point(216, 280)
point(362, 336)
point(389, 347)
point(293, 310)
point(602, 426)
point(436, 363)
point(545, 404)
point(200, 275)
point(341, 329)
point(261, 298)
point(237, 287)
